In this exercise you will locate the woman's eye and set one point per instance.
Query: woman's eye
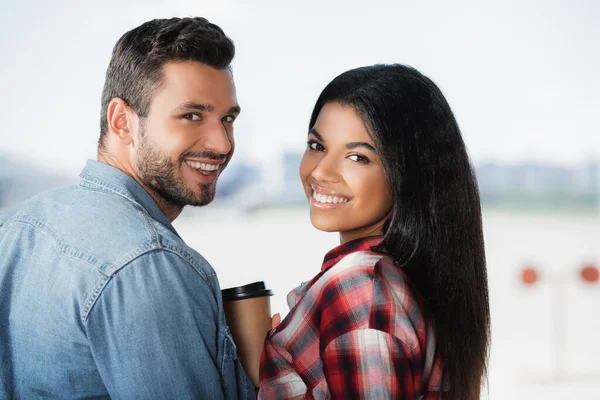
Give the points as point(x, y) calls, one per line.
point(358, 158)
point(192, 117)
point(315, 145)
point(229, 119)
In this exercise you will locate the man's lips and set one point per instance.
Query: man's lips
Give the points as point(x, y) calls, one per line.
point(204, 165)
point(206, 172)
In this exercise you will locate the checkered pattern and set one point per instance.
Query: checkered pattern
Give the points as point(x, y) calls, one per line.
point(358, 330)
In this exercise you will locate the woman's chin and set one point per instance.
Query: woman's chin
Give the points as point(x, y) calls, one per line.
point(325, 224)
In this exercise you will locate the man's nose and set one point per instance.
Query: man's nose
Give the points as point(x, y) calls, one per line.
point(218, 139)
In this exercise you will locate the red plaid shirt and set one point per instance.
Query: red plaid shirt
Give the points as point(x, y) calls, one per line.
point(355, 331)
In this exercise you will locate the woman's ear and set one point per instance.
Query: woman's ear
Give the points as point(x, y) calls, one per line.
point(119, 123)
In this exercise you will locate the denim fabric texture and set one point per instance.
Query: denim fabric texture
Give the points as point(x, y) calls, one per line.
point(101, 298)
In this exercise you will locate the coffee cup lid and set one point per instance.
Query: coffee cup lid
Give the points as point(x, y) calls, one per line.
point(252, 290)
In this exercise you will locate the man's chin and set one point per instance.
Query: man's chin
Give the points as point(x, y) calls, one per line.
point(200, 203)
point(195, 200)
point(201, 200)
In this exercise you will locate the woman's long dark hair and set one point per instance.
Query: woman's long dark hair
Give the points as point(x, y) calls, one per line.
point(435, 231)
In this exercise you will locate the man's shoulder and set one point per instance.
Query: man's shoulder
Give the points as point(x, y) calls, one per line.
point(169, 242)
point(105, 228)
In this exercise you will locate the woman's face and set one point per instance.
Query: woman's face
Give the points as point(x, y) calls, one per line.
point(343, 176)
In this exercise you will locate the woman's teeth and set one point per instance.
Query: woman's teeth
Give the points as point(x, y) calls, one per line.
point(321, 198)
point(203, 167)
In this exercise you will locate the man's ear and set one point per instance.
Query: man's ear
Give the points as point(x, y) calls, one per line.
point(119, 121)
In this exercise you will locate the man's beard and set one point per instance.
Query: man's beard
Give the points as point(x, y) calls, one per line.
point(160, 174)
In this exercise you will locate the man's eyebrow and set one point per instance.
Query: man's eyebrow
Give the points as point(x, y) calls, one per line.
point(196, 107)
point(316, 133)
point(354, 145)
point(234, 110)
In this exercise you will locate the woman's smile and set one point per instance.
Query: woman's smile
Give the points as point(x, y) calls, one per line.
point(325, 199)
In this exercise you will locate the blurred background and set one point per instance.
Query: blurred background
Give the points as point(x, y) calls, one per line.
point(521, 77)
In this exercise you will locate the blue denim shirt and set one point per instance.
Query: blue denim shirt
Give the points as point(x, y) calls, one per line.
point(100, 297)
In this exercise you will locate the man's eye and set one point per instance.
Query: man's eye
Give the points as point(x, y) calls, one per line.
point(192, 117)
point(358, 158)
point(229, 119)
point(315, 145)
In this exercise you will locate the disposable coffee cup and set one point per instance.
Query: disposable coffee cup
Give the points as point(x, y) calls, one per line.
point(248, 313)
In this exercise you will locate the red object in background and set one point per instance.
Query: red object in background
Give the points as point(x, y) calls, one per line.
point(529, 276)
point(589, 273)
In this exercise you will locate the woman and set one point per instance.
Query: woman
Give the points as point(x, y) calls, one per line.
point(400, 308)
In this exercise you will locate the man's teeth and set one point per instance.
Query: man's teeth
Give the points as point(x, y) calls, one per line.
point(203, 167)
point(321, 198)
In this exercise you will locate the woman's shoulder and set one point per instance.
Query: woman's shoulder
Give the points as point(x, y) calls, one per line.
point(350, 281)
point(358, 261)
point(367, 273)
point(399, 308)
point(387, 274)
point(368, 270)
point(366, 290)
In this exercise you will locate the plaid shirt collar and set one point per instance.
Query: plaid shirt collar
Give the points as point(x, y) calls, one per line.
point(361, 244)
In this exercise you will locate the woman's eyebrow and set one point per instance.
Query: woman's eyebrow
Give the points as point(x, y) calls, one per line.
point(353, 145)
point(316, 133)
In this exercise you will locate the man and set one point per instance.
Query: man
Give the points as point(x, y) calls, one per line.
point(99, 296)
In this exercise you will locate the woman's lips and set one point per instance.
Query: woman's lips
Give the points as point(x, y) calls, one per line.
point(326, 199)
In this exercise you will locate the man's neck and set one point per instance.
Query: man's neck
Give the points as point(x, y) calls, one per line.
point(171, 211)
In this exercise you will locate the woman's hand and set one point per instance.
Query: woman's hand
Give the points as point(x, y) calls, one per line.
point(275, 320)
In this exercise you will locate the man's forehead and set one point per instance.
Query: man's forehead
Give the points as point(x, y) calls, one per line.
point(194, 72)
point(193, 82)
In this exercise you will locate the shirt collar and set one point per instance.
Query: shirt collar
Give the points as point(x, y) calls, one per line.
point(361, 244)
point(112, 179)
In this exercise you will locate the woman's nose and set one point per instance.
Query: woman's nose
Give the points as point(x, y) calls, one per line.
point(326, 170)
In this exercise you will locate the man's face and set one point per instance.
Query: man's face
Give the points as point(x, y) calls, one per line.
point(187, 138)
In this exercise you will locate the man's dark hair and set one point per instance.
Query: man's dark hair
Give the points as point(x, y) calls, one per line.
point(135, 69)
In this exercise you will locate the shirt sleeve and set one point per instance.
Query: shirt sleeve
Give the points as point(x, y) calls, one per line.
point(153, 331)
point(368, 364)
